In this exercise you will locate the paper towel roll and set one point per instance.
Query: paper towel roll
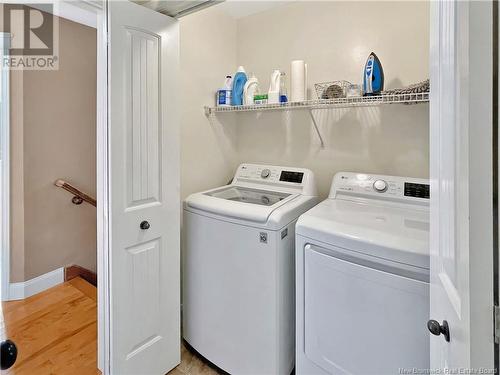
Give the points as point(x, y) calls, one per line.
point(298, 81)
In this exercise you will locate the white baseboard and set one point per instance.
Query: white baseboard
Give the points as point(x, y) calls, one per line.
point(31, 287)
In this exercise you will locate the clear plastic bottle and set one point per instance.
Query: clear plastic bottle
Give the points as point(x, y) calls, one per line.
point(283, 91)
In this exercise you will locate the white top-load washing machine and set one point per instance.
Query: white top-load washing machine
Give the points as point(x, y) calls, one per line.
point(238, 268)
point(362, 278)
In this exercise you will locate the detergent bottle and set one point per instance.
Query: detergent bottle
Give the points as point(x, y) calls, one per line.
point(251, 88)
point(240, 78)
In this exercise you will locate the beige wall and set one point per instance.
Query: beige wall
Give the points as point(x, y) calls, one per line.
point(57, 127)
point(207, 55)
point(334, 38)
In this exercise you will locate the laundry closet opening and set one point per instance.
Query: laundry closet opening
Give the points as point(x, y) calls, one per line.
point(316, 55)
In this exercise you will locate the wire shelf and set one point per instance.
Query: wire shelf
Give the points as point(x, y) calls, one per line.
point(355, 101)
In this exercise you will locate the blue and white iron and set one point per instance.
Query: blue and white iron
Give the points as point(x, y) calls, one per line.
point(373, 77)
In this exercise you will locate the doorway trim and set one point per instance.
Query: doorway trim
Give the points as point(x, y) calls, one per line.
point(495, 163)
point(5, 171)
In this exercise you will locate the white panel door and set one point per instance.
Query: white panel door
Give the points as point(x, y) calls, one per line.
point(461, 244)
point(449, 185)
point(144, 190)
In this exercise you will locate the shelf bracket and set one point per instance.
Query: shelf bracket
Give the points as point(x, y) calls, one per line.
point(316, 128)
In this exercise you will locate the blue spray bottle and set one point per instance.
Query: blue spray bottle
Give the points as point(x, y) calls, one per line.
point(239, 80)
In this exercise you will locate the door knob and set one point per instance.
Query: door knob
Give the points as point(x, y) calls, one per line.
point(144, 225)
point(8, 354)
point(436, 329)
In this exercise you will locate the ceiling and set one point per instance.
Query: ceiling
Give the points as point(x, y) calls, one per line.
point(176, 8)
point(235, 8)
point(243, 8)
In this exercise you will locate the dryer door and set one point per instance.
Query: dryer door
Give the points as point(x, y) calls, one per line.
point(362, 320)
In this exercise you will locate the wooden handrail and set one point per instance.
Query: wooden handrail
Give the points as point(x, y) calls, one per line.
point(79, 195)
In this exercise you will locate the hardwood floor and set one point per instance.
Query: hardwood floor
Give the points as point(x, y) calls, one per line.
point(55, 331)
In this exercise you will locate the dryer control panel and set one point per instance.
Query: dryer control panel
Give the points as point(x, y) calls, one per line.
point(379, 186)
point(298, 179)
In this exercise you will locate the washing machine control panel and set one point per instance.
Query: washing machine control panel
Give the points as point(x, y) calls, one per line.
point(362, 184)
point(297, 179)
point(270, 173)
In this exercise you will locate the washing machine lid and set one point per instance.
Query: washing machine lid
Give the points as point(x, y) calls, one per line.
point(395, 232)
point(248, 195)
point(239, 202)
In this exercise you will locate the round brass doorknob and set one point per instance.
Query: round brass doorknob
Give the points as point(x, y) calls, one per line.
point(144, 225)
point(437, 329)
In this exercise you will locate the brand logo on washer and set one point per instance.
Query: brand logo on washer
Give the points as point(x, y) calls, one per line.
point(263, 237)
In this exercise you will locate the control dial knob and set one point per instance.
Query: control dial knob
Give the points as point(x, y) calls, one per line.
point(380, 186)
point(265, 173)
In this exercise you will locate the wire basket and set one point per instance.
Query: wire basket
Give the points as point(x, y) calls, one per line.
point(331, 90)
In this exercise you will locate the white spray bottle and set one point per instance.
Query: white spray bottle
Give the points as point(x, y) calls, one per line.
point(273, 95)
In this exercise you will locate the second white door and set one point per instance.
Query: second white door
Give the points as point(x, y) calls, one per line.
point(144, 190)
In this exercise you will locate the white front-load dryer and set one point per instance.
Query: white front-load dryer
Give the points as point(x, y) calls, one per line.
point(362, 278)
point(238, 268)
